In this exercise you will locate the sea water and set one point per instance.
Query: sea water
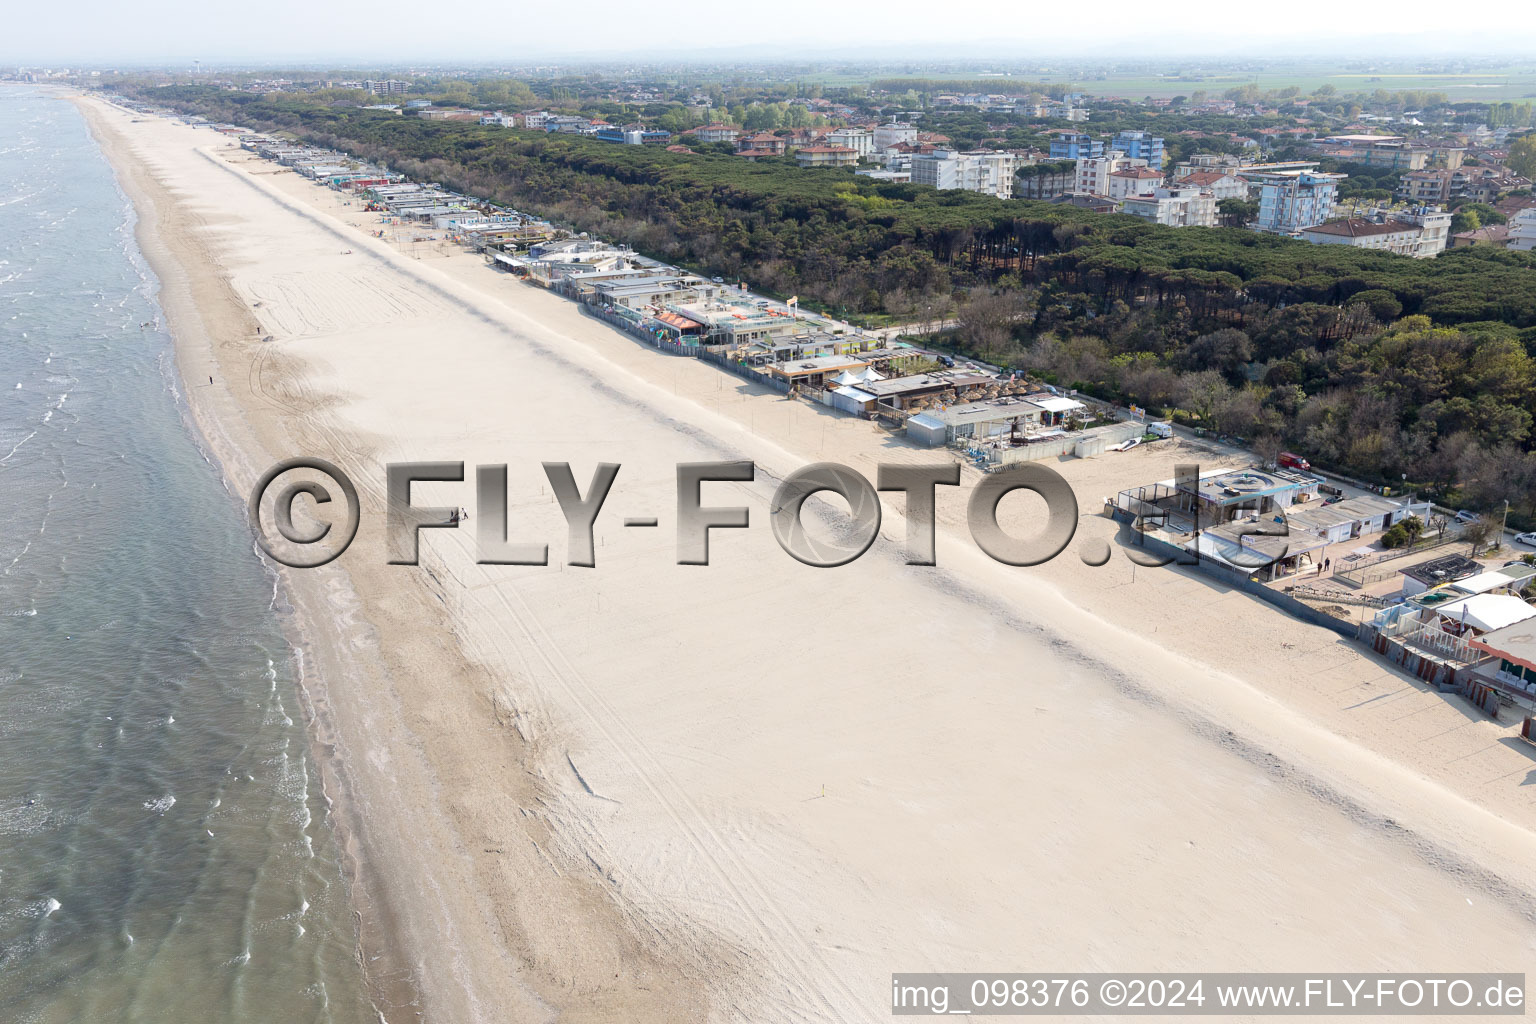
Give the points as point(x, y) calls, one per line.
point(165, 852)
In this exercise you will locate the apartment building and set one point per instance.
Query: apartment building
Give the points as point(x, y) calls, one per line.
point(1224, 162)
point(826, 156)
point(891, 134)
point(635, 135)
point(1522, 230)
point(1140, 146)
point(860, 140)
point(1399, 238)
point(715, 133)
point(1390, 151)
point(1434, 225)
point(1174, 207)
point(1077, 147)
point(1290, 201)
point(1219, 184)
point(1092, 174)
point(762, 144)
point(990, 172)
point(1133, 181)
point(1432, 186)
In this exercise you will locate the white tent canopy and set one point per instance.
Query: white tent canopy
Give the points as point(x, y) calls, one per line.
point(1485, 612)
point(1058, 404)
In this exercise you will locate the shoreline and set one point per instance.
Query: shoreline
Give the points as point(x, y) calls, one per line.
point(152, 207)
point(392, 958)
point(221, 417)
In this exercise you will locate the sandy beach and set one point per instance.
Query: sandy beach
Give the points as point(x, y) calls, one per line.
point(651, 792)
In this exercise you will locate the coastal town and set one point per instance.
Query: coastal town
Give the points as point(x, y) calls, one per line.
point(1326, 174)
point(506, 519)
point(1386, 570)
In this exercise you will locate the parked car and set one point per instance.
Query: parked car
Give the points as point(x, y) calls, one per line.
point(1467, 517)
point(1528, 539)
point(1333, 499)
point(718, 280)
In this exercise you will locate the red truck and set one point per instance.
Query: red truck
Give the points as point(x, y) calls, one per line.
point(1290, 460)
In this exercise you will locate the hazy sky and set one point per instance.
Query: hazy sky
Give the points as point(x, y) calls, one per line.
point(159, 31)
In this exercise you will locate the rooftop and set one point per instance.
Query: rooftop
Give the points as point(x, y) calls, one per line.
point(1202, 178)
point(1229, 487)
point(1485, 612)
point(1357, 227)
point(1445, 569)
point(924, 381)
point(1515, 642)
point(1239, 545)
point(1323, 517)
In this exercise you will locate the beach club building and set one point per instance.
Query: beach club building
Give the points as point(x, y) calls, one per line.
point(1445, 615)
point(1276, 544)
point(817, 370)
point(1437, 571)
point(1014, 418)
point(900, 392)
point(1222, 495)
point(1258, 545)
point(1352, 518)
point(1446, 629)
point(1513, 655)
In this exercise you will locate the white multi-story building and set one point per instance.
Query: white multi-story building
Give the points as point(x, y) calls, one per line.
point(1522, 230)
point(1067, 111)
point(1224, 162)
point(1174, 207)
point(988, 172)
point(1093, 172)
point(891, 134)
point(1391, 236)
point(1133, 181)
point(826, 156)
point(715, 133)
point(1434, 225)
point(860, 140)
point(1218, 183)
point(1421, 231)
point(887, 176)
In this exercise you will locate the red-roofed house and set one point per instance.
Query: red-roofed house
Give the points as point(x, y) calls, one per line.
point(1393, 236)
point(1133, 181)
point(1219, 184)
point(714, 133)
point(762, 144)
